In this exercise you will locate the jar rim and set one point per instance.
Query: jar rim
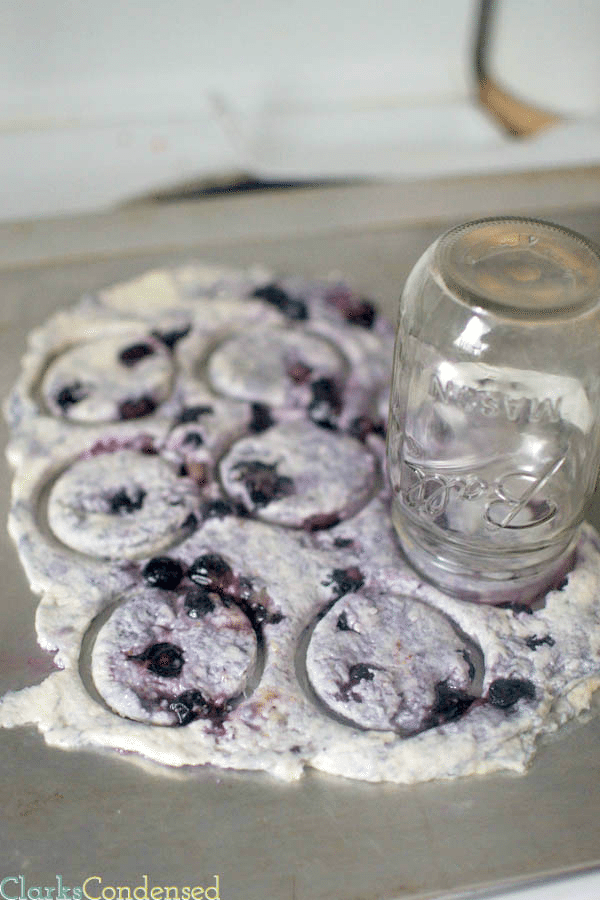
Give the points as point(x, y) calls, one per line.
point(520, 267)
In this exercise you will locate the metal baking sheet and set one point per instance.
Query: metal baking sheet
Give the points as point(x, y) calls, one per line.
point(122, 822)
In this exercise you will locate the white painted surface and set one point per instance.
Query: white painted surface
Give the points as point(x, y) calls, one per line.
point(133, 60)
point(100, 103)
point(547, 53)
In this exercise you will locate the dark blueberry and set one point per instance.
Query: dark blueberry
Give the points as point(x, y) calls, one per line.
point(162, 659)
point(121, 502)
point(272, 294)
point(245, 589)
point(355, 310)
point(190, 522)
point(533, 642)
point(211, 571)
point(343, 542)
point(356, 673)
point(70, 395)
point(363, 314)
point(360, 427)
point(193, 438)
point(324, 422)
point(219, 509)
point(562, 585)
point(505, 692)
point(133, 354)
point(137, 407)
point(149, 449)
point(289, 306)
point(275, 618)
point(360, 672)
point(258, 613)
point(188, 706)
point(296, 310)
point(170, 338)
point(163, 572)
point(325, 403)
point(261, 418)
point(193, 413)
point(450, 703)
point(321, 521)
point(363, 426)
point(342, 623)
point(198, 603)
point(263, 483)
point(516, 608)
point(345, 581)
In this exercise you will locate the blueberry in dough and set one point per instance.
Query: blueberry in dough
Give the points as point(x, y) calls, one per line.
point(170, 338)
point(163, 572)
point(198, 603)
point(450, 704)
point(70, 395)
point(263, 482)
point(325, 404)
point(346, 580)
point(356, 673)
point(193, 413)
point(168, 660)
point(136, 407)
point(342, 623)
point(362, 426)
point(188, 706)
point(281, 300)
point(126, 376)
point(261, 418)
point(360, 672)
point(364, 314)
point(219, 509)
point(505, 692)
point(133, 354)
point(193, 439)
point(162, 659)
point(122, 503)
point(533, 641)
point(389, 662)
point(356, 310)
point(211, 571)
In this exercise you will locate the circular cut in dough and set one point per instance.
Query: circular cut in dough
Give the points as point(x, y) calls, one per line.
point(205, 428)
point(109, 379)
point(122, 504)
point(273, 365)
point(300, 475)
point(155, 663)
point(389, 663)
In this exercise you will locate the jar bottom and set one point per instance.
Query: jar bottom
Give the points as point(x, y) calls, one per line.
point(501, 579)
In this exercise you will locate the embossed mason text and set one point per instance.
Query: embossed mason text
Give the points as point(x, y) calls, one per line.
point(496, 404)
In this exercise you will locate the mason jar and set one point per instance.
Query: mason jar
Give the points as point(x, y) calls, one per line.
point(494, 426)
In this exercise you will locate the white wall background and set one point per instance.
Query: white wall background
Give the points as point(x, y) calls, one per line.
point(65, 59)
point(549, 52)
point(100, 102)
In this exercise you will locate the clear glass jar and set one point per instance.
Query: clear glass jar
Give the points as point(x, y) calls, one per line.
point(494, 436)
